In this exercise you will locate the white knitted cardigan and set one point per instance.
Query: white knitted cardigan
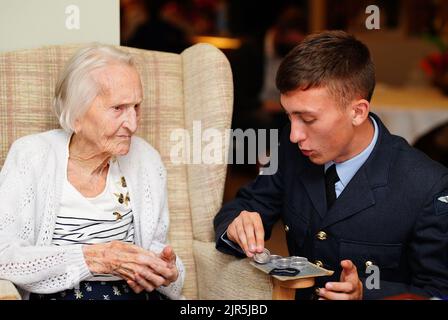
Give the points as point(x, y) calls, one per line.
point(30, 192)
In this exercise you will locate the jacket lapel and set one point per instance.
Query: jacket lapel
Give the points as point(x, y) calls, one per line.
point(312, 177)
point(356, 197)
point(358, 194)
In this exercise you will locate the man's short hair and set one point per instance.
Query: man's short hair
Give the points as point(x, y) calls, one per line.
point(332, 59)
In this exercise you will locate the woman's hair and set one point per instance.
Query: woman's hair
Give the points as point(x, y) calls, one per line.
point(76, 87)
point(331, 59)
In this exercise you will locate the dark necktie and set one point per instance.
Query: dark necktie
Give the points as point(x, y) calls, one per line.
point(331, 177)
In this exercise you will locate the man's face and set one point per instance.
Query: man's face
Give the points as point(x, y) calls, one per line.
point(113, 116)
point(321, 128)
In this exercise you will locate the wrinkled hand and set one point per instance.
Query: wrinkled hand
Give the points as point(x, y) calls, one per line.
point(142, 269)
point(349, 287)
point(169, 275)
point(168, 256)
point(248, 232)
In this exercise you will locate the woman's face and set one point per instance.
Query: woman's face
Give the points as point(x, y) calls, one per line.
point(113, 117)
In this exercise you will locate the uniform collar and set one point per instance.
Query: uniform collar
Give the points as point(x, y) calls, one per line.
point(347, 169)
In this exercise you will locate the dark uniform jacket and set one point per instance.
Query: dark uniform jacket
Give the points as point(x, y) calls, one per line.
point(393, 214)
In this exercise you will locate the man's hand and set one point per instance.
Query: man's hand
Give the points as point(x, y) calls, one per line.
point(247, 230)
point(349, 287)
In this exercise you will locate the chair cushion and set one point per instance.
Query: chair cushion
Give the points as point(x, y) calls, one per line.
point(221, 276)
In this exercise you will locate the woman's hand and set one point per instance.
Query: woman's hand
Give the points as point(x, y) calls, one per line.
point(142, 269)
point(169, 256)
point(170, 275)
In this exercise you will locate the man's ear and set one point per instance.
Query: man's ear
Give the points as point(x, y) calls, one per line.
point(360, 111)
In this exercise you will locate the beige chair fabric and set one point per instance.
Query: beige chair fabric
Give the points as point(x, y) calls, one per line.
point(178, 89)
point(222, 276)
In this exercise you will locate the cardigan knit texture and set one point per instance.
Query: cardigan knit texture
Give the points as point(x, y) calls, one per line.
point(31, 181)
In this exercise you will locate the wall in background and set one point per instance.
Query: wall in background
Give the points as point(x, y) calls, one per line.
point(33, 23)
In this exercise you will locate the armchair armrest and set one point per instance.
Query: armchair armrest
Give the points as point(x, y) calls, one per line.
point(224, 277)
point(8, 291)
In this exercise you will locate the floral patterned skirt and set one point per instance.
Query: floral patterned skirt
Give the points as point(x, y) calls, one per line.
point(99, 290)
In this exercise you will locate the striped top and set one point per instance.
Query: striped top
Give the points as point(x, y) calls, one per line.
point(104, 218)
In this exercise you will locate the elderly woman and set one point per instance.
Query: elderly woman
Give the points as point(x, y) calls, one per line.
point(83, 211)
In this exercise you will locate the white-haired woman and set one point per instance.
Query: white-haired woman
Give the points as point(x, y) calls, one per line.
point(83, 211)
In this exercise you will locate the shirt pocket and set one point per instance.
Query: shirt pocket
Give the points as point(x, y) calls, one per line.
point(383, 255)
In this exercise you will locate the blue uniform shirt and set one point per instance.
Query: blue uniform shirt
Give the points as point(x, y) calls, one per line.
point(347, 169)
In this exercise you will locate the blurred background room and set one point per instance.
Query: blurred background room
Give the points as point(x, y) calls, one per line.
point(409, 50)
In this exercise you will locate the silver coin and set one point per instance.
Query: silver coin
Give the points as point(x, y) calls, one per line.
point(297, 265)
point(262, 257)
point(296, 259)
point(274, 257)
point(282, 263)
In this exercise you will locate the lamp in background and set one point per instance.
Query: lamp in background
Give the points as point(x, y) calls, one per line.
point(219, 42)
